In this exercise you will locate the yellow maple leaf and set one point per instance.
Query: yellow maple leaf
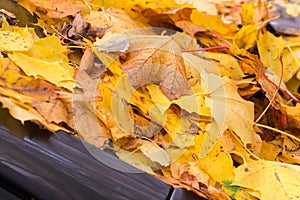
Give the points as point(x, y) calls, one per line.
point(218, 164)
point(14, 38)
point(265, 177)
point(46, 62)
point(227, 108)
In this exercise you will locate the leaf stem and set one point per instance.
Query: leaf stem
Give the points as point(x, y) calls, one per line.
point(244, 146)
point(278, 131)
point(220, 38)
point(276, 91)
point(206, 49)
point(286, 92)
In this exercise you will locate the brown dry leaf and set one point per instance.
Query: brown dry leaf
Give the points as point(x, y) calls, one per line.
point(156, 59)
point(53, 8)
point(79, 28)
point(249, 63)
point(115, 19)
point(210, 192)
point(293, 116)
point(189, 27)
point(190, 173)
point(87, 125)
point(25, 112)
point(40, 95)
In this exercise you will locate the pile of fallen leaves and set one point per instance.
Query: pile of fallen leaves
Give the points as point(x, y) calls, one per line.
point(201, 94)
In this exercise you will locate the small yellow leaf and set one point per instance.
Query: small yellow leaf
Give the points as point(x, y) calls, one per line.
point(270, 48)
point(192, 104)
point(155, 153)
point(212, 22)
point(53, 72)
point(247, 36)
point(46, 60)
point(229, 65)
point(153, 4)
point(248, 13)
point(115, 18)
point(138, 160)
point(112, 43)
point(119, 105)
point(157, 96)
point(218, 164)
point(15, 41)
